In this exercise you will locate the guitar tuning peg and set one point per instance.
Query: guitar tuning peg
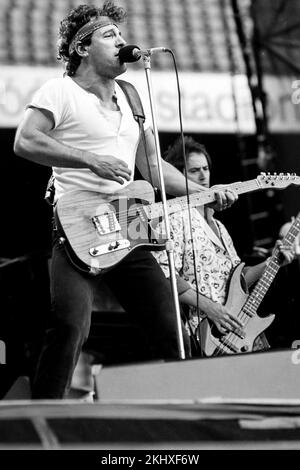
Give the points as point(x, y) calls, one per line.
point(263, 173)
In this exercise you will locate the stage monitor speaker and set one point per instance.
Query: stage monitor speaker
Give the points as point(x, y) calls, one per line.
point(269, 374)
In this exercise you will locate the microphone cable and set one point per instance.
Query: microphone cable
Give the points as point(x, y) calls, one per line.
point(193, 335)
point(127, 54)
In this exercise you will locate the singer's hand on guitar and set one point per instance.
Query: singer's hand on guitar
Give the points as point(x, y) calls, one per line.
point(222, 318)
point(109, 167)
point(224, 198)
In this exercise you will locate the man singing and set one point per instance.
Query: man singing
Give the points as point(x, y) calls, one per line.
point(82, 126)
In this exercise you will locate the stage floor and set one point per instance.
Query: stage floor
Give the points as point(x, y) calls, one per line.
point(142, 425)
point(250, 401)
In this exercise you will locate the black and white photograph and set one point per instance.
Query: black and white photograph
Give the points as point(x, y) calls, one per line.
point(150, 229)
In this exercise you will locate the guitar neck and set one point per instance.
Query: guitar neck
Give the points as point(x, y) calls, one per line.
point(262, 286)
point(198, 199)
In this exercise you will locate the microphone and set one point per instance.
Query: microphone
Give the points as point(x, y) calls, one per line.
point(132, 53)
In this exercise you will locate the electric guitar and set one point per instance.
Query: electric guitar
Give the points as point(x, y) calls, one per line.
point(244, 307)
point(99, 230)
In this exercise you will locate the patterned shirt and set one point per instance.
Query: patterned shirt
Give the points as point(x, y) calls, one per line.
point(215, 256)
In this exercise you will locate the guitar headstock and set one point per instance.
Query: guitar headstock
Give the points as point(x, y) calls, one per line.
point(277, 180)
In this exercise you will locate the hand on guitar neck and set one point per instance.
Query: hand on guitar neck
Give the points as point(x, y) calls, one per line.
point(286, 255)
point(282, 233)
point(224, 197)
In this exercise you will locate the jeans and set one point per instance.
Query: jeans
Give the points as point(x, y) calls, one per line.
point(141, 288)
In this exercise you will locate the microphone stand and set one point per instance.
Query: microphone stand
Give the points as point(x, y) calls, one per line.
point(169, 243)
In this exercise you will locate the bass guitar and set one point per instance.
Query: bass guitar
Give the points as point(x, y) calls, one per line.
point(100, 230)
point(244, 307)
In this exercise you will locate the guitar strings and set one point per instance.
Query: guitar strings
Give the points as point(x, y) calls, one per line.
point(240, 187)
point(289, 239)
point(180, 201)
point(232, 338)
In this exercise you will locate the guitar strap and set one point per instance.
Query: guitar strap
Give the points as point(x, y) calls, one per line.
point(136, 106)
point(135, 103)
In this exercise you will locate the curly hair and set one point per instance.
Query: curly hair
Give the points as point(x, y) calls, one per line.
point(174, 153)
point(77, 18)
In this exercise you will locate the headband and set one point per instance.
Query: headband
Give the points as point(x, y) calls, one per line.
point(88, 29)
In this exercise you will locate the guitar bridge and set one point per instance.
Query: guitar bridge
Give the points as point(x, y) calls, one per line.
point(109, 247)
point(106, 223)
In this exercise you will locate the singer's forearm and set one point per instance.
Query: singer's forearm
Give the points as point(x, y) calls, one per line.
point(175, 182)
point(34, 142)
point(43, 149)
